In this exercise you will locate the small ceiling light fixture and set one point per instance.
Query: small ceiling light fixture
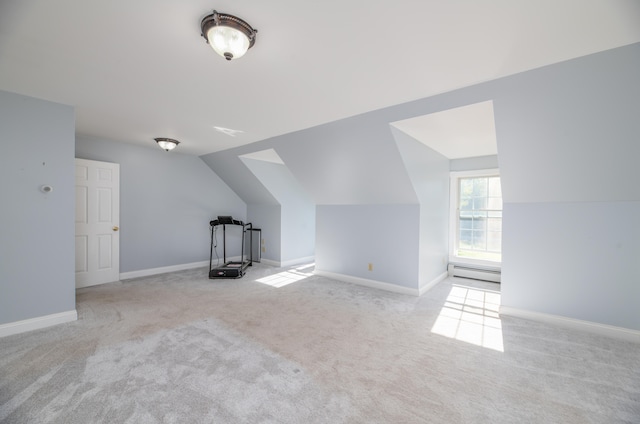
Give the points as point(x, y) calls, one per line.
point(167, 143)
point(228, 35)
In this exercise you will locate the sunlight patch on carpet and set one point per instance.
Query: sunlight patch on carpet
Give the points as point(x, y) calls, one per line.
point(289, 276)
point(471, 315)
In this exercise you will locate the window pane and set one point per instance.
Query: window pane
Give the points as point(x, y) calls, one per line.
point(479, 203)
point(494, 203)
point(480, 218)
point(494, 224)
point(479, 187)
point(466, 187)
point(479, 240)
point(494, 241)
point(466, 239)
point(495, 189)
point(466, 222)
point(479, 222)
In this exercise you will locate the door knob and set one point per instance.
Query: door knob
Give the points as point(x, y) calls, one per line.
point(115, 228)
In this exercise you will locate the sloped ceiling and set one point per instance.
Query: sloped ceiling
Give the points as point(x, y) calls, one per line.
point(268, 155)
point(135, 70)
point(462, 132)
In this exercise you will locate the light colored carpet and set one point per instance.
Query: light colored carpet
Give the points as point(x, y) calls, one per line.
point(180, 348)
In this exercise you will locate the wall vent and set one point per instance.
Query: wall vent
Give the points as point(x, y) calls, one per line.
point(474, 272)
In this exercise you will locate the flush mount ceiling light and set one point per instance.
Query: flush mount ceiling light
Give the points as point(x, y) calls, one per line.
point(167, 143)
point(228, 35)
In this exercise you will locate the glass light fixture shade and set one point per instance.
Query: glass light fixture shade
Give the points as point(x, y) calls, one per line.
point(228, 35)
point(167, 143)
point(228, 42)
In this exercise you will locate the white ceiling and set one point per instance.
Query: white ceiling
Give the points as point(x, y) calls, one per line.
point(462, 132)
point(135, 70)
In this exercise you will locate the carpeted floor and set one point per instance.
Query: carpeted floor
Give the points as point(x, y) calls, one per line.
point(285, 346)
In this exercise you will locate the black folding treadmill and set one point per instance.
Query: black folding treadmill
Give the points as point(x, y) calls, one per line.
point(231, 269)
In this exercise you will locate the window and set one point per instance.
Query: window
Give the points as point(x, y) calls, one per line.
point(477, 217)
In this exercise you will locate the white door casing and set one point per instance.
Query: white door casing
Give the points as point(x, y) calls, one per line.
point(97, 222)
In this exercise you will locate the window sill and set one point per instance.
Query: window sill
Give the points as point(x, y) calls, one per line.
point(484, 264)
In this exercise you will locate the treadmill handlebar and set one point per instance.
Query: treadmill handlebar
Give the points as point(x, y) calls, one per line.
point(233, 222)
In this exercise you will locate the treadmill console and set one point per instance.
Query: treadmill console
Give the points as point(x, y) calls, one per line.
point(225, 220)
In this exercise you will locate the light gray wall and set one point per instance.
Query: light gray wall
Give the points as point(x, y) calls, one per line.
point(268, 219)
point(298, 230)
point(37, 275)
point(575, 259)
point(298, 212)
point(568, 147)
point(569, 132)
point(233, 171)
point(354, 161)
point(566, 133)
point(349, 162)
point(166, 202)
point(349, 237)
point(429, 174)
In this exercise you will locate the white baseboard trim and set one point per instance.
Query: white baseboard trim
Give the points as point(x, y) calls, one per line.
point(163, 270)
point(270, 262)
point(426, 287)
point(298, 261)
point(290, 262)
point(37, 323)
point(368, 283)
point(576, 324)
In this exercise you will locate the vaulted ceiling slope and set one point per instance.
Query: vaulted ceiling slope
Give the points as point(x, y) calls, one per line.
point(554, 125)
point(135, 70)
point(347, 162)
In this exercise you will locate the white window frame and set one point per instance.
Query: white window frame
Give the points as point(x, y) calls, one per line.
point(454, 188)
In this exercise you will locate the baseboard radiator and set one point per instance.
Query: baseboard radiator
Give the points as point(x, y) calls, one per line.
point(474, 272)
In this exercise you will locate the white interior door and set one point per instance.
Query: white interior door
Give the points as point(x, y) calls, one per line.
point(97, 222)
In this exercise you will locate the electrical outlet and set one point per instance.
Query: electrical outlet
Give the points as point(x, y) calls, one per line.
point(263, 242)
point(264, 249)
point(370, 267)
